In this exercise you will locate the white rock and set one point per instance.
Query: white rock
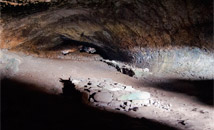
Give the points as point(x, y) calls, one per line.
point(65, 52)
point(129, 88)
point(146, 70)
point(135, 96)
point(115, 89)
point(75, 81)
point(103, 97)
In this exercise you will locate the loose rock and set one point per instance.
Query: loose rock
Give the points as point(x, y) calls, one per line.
point(106, 93)
point(103, 97)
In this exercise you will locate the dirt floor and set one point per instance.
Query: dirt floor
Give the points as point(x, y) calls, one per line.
point(32, 97)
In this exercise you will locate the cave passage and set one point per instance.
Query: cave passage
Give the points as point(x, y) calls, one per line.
point(116, 64)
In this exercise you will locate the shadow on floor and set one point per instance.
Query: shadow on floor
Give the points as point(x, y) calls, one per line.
point(202, 89)
point(27, 109)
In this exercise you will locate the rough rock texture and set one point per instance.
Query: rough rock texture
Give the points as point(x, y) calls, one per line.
point(138, 23)
point(176, 63)
point(108, 94)
point(148, 33)
point(9, 63)
point(175, 103)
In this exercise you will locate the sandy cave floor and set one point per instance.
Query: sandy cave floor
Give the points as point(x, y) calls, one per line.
point(29, 98)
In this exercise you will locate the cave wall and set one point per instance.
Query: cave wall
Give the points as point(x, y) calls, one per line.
point(146, 23)
point(147, 33)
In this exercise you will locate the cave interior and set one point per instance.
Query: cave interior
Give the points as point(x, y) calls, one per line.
point(98, 64)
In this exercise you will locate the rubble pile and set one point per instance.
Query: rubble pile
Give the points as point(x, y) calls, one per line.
point(128, 69)
point(108, 94)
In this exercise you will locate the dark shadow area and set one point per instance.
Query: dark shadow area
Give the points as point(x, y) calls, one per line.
point(70, 92)
point(106, 51)
point(202, 89)
point(27, 109)
point(22, 10)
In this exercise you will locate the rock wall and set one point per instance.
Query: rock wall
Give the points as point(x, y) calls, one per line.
point(139, 32)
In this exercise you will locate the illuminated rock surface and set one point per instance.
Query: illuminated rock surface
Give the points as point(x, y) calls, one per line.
point(112, 95)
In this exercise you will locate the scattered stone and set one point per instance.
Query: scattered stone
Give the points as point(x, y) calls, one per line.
point(194, 109)
point(68, 51)
point(203, 112)
point(108, 94)
point(135, 108)
point(127, 69)
point(182, 122)
point(117, 109)
point(65, 52)
point(158, 104)
point(89, 50)
point(146, 70)
point(151, 101)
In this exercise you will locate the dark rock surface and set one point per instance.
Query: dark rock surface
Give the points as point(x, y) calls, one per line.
point(146, 23)
point(116, 27)
point(148, 33)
